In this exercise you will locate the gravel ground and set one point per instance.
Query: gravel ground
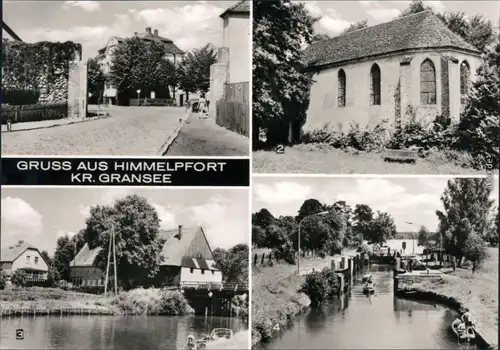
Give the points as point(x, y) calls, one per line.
point(202, 137)
point(132, 131)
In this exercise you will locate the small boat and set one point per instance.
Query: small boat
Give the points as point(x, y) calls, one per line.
point(220, 333)
point(461, 331)
point(368, 288)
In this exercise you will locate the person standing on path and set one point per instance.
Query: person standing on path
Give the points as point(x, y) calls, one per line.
point(202, 105)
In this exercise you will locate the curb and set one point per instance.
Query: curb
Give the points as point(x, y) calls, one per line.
point(56, 125)
point(170, 140)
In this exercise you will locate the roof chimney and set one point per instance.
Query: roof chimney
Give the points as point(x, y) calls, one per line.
point(148, 30)
point(156, 32)
point(179, 232)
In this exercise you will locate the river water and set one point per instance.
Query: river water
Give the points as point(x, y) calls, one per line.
point(109, 332)
point(380, 321)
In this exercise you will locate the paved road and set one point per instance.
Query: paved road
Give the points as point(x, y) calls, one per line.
point(133, 131)
point(203, 137)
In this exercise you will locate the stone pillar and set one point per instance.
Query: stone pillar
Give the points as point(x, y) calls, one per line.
point(405, 87)
point(77, 89)
point(219, 76)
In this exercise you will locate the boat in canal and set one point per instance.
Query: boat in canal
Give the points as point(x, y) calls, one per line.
point(369, 288)
point(462, 332)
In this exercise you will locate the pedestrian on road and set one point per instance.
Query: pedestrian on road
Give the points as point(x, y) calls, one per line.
point(202, 106)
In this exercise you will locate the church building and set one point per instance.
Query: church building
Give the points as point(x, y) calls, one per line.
point(414, 63)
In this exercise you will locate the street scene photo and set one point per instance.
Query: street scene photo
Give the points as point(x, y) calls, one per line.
point(374, 263)
point(143, 78)
point(124, 269)
point(376, 87)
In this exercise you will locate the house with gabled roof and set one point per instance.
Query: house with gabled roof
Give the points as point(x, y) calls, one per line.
point(414, 65)
point(26, 257)
point(187, 258)
point(105, 54)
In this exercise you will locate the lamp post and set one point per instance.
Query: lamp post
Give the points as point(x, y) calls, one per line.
point(298, 245)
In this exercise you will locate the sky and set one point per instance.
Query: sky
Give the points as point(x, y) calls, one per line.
point(41, 215)
point(336, 16)
point(190, 24)
point(407, 199)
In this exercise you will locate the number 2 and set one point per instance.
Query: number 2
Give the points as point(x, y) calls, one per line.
point(280, 149)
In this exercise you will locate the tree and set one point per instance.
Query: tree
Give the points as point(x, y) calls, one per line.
point(45, 255)
point(233, 263)
point(356, 25)
point(351, 238)
point(280, 88)
point(424, 238)
point(275, 236)
point(476, 30)
point(194, 70)
point(478, 130)
point(361, 219)
point(467, 207)
point(474, 250)
point(415, 7)
point(66, 251)
point(258, 236)
point(381, 228)
point(310, 206)
point(95, 78)
point(136, 227)
point(140, 64)
point(263, 218)
point(18, 278)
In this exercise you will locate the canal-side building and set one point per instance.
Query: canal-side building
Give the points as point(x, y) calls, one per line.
point(187, 259)
point(25, 257)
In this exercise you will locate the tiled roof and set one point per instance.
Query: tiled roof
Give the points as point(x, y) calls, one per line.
point(11, 253)
point(242, 7)
point(174, 249)
point(169, 44)
point(417, 31)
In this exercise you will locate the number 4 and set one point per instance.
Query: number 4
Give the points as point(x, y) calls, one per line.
point(276, 327)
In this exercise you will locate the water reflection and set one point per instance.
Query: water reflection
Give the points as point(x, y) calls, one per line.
point(358, 321)
point(108, 332)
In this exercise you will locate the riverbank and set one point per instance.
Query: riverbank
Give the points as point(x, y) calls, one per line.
point(238, 341)
point(275, 299)
point(54, 301)
point(462, 289)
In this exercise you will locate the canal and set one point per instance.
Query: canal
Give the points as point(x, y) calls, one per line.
point(356, 321)
point(109, 332)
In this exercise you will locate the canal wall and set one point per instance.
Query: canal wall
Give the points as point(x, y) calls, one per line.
point(484, 339)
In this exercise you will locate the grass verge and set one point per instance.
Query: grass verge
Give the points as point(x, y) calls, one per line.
point(275, 299)
point(324, 159)
point(37, 300)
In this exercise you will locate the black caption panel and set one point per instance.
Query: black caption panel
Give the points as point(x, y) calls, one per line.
point(125, 172)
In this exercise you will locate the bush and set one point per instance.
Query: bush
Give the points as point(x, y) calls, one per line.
point(320, 286)
point(2, 282)
point(285, 252)
point(31, 113)
point(18, 278)
point(239, 305)
point(142, 301)
point(20, 96)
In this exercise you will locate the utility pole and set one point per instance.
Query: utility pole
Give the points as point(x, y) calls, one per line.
point(112, 247)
